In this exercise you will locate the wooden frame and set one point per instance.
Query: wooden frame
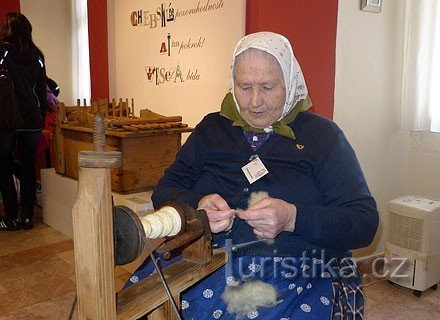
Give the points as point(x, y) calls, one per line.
point(94, 259)
point(148, 147)
point(371, 5)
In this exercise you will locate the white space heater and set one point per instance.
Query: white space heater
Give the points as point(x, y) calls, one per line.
point(412, 251)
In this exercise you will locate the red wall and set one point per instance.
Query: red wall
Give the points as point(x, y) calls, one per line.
point(310, 25)
point(8, 6)
point(97, 17)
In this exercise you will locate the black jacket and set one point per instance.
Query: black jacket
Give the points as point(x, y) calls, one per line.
point(28, 74)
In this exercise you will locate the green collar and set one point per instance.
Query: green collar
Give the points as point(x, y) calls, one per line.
point(230, 111)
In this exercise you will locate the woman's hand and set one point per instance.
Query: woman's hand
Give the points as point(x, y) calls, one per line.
point(220, 216)
point(269, 217)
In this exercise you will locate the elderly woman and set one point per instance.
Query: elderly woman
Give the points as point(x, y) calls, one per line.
point(283, 191)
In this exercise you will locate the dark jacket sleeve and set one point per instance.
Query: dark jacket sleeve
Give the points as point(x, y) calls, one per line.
point(40, 86)
point(349, 218)
point(180, 177)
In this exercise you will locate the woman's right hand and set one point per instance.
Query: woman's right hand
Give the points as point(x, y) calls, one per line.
point(220, 215)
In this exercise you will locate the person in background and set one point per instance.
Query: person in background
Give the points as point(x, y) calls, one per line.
point(52, 92)
point(26, 66)
point(283, 192)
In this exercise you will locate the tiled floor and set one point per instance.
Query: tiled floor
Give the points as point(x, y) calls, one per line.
point(386, 301)
point(37, 281)
point(37, 274)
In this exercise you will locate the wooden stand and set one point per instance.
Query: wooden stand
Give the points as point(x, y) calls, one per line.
point(149, 297)
point(93, 239)
point(148, 145)
point(94, 252)
point(94, 261)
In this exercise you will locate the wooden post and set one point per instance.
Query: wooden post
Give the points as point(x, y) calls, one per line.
point(114, 108)
point(93, 230)
point(60, 166)
point(93, 235)
point(165, 311)
point(106, 108)
point(126, 108)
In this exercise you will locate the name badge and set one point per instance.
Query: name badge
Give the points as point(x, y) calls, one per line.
point(254, 170)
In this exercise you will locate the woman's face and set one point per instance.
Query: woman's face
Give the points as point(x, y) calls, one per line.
point(259, 88)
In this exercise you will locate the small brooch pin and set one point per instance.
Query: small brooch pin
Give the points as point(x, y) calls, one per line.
point(299, 146)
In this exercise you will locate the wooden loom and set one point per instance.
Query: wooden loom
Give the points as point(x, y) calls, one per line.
point(148, 143)
point(94, 238)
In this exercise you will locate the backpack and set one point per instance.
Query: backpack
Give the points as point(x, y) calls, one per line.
point(10, 115)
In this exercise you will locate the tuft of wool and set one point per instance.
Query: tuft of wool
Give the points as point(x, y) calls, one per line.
point(249, 296)
point(257, 196)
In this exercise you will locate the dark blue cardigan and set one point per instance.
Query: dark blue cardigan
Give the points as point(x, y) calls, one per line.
point(318, 172)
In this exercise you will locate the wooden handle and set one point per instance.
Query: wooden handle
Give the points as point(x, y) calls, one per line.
point(120, 122)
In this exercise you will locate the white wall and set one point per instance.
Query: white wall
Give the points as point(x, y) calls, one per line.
point(367, 107)
point(424, 164)
point(131, 49)
point(51, 31)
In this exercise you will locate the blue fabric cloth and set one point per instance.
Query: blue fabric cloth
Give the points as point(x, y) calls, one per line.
point(307, 288)
point(318, 173)
point(298, 297)
point(256, 140)
point(304, 289)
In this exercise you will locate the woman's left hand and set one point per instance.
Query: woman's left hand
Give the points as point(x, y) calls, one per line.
point(269, 217)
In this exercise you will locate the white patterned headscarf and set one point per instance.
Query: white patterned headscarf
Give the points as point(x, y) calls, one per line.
point(279, 47)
